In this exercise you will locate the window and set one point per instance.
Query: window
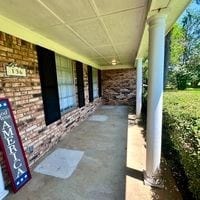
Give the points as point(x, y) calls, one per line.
point(95, 82)
point(66, 88)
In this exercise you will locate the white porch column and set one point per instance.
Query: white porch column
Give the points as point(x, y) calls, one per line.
point(3, 192)
point(139, 88)
point(155, 99)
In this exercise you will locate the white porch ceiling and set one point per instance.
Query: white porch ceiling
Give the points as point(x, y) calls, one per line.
point(100, 30)
point(92, 31)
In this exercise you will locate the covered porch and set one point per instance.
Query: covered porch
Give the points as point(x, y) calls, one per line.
point(112, 37)
point(111, 167)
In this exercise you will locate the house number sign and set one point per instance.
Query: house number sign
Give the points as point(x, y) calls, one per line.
point(12, 69)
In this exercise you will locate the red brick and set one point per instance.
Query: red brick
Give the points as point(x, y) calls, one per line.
point(119, 86)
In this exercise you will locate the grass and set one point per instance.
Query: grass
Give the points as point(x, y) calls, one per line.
point(193, 90)
point(183, 101)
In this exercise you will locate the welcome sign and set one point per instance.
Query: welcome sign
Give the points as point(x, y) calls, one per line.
point(12, 148)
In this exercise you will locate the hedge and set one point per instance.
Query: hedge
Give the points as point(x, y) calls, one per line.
point(181, 125)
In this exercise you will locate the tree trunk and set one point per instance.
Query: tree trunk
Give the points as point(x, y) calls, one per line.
point(166, 59)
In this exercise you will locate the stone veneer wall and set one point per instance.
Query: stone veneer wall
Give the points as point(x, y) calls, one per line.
point(119, 87)
point(25, 96)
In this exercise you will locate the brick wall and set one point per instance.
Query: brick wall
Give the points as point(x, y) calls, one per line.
point(119, 87)
point(25, 96)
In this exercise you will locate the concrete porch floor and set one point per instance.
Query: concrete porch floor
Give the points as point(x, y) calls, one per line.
point(111, 168)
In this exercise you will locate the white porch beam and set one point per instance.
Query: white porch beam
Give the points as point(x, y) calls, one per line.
point(155, 99)
point(139, 87)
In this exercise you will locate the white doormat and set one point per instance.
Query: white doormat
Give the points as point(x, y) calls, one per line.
point(107, 107)
point(98, 118)
point(61, 163)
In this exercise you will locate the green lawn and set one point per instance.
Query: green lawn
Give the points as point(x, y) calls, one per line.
point(183, 102)
point(196, 90)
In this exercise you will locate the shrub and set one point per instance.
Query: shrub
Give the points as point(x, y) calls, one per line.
point(181, 80)
point(181, 122)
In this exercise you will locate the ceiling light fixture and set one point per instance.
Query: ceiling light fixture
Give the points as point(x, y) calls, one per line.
point(114, 62)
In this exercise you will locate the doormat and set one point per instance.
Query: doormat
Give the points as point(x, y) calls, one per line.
point(61, 163)
point(98, 118)
point(107, 107)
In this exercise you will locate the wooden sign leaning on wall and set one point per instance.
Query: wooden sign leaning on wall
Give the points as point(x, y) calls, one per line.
point(12, 148)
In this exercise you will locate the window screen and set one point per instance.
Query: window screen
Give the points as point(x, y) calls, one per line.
point(95, 82)
point(99, 83)
point(66, 88)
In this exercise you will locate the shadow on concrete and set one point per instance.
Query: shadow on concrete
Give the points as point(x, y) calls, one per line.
point(136, 161)
point(170, 190)
point(134, 173)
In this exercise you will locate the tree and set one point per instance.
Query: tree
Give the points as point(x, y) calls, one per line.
point(177, 71)
point(184, 48)
point(177, 46)
point(191, 25)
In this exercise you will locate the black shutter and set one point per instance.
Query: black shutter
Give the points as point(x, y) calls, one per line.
point(99, 83)
point(80, 84)
point(48, 79)
point(90, 84)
